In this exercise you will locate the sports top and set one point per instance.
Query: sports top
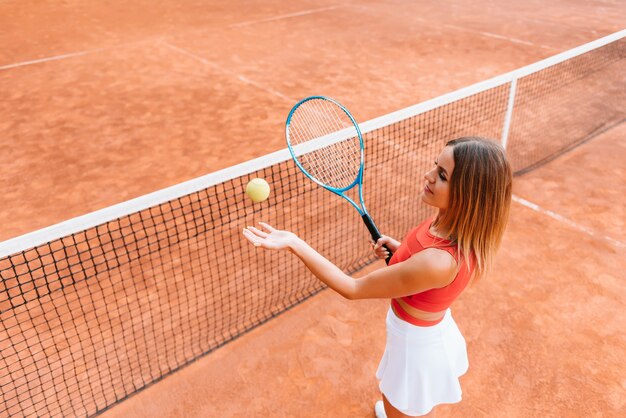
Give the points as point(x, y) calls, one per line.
point(432, 300)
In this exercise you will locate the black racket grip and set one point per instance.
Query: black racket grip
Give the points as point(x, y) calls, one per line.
point(369, 223)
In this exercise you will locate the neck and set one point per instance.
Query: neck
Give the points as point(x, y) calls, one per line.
point(437, 230)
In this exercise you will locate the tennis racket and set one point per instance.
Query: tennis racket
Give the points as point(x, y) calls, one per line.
point(326, 144)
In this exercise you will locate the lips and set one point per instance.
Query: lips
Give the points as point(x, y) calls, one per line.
point(427, 189)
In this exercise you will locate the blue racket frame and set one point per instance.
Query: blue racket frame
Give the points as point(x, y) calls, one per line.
point(357, 181)
point(359, 178)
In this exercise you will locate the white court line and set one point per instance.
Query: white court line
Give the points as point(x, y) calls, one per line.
point(496, 36)
point(287, 16)
point(224, 71)
point(70, 55)
point(488, 34)
point(566, 221)
point(47, 59)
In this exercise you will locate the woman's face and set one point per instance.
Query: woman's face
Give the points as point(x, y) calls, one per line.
point(436, 190)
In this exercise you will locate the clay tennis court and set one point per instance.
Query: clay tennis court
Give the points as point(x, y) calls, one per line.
point(106, 102)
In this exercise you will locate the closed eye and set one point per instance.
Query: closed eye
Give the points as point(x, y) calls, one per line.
point(440, 171)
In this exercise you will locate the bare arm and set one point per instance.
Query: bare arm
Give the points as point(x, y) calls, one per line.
point(323, 269)
point(425, 270)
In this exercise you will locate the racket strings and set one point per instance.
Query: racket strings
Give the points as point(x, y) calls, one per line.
point(332, 167)
point(338, 163)
point(317, 125)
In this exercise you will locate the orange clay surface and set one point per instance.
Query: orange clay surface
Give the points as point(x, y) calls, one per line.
point(106, 101)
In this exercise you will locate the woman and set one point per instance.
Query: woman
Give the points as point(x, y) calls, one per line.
point(425, 354)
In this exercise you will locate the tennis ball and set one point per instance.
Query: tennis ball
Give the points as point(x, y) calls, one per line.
point(258, 190)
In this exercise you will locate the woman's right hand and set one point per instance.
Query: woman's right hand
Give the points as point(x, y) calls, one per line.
point(380, 251)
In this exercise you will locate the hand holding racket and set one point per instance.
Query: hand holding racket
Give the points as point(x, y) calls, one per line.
point(382, 247)
point(326, 144)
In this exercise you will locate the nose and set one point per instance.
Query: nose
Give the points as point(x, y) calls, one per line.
point(429, 176)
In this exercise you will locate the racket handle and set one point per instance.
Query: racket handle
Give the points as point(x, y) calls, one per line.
point(369, 223)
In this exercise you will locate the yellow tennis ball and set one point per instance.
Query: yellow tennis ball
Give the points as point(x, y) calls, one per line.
point(258, 190)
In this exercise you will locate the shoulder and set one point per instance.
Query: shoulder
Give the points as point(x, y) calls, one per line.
point(436, 264)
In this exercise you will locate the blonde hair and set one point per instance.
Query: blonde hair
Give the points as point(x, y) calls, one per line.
point(480, 198)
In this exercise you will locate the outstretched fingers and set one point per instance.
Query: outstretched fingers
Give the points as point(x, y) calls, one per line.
point(267, 226)
point(250, 236)
point(268, 237)
point(257, 232)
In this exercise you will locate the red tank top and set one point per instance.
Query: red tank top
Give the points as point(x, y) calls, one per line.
point(432, 300)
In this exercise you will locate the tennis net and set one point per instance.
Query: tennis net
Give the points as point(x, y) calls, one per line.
point(97, 308)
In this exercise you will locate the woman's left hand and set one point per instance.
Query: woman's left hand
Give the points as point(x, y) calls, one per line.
point(271, 238)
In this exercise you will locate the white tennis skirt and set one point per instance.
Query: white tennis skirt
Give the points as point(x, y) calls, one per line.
point(421, 366)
